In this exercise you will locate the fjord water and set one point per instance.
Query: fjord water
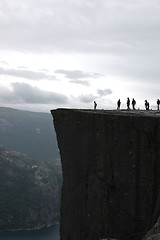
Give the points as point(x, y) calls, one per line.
point(51, 233)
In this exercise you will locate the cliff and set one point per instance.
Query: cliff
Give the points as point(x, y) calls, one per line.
point(111, 173)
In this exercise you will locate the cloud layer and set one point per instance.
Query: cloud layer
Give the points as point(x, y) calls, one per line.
point(77, 74)
point(114, 41)
point(89, 26)
point(104, 92)
point(125, 32)
point(25, 93)
point(24, 73)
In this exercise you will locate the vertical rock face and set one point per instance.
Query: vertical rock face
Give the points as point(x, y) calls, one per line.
point(111, 173)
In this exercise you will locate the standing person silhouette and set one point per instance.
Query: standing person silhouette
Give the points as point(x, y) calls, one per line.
point(95, 105)
point(133, 103)
point(118, 104)
point(158, 102)
point(146, 105)
point(128, 103)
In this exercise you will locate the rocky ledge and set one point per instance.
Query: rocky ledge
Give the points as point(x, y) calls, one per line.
point(111, 173)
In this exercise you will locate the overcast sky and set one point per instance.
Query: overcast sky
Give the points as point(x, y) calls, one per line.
point(68, 53)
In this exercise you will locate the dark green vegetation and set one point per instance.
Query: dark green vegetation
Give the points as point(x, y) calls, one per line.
point(28, 132)
point(30, 170)
point(29, 192)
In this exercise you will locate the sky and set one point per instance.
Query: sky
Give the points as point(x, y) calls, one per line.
point(69, 53)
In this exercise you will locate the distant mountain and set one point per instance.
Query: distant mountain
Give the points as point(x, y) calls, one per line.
point(29, 132)
point(29, 191)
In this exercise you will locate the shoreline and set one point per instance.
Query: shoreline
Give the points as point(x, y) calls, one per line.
point(29, 229)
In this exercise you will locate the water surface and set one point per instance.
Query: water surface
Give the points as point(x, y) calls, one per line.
point(51, 233)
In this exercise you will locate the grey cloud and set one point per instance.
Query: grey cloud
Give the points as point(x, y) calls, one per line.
point(138, 67)
point(80, 26)
point(4, 62)
point(128, 30)
point(43, 69)
point(22, 73)
point(25, 93)
point(77, 74)
point(31, 94)
point(87, 98)
point(104, 92)
point(22, 67)
point(8, 96)
point(81, 82)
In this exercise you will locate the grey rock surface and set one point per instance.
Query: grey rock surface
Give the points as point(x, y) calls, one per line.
point(111, 173)
point(154, 233)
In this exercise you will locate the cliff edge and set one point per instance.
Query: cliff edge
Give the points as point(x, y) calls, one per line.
point(111, 173)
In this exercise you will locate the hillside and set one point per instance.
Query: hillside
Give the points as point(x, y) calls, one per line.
point(29, 192)
point(29, 132)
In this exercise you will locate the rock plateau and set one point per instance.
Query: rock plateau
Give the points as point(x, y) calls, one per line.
point(111, 173)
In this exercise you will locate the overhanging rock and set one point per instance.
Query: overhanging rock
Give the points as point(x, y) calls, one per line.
point(111, 173)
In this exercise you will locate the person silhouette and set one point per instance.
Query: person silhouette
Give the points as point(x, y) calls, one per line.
point(158, 102)
point(118, 104)
point(128, 103)
point(133, 103)
point(146, 105)
point(95, 105)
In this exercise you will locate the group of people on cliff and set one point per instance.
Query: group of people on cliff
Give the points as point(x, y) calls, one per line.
point(128, 104)
point(146, 103)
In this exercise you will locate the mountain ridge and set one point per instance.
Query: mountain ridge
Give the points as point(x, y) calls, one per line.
point(29, 132)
